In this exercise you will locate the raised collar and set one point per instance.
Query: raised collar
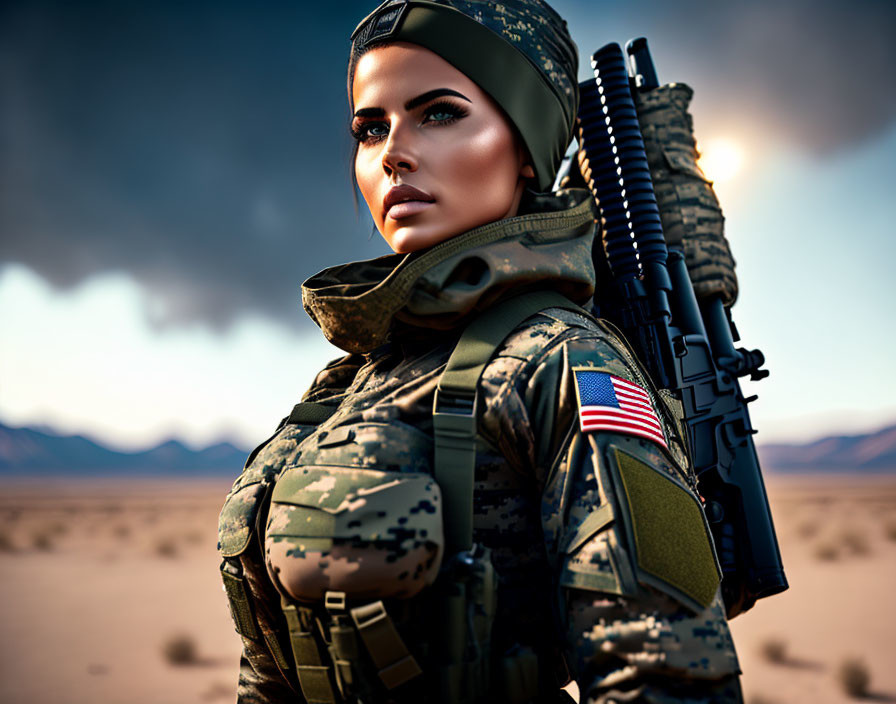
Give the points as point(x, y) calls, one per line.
point(361, 305)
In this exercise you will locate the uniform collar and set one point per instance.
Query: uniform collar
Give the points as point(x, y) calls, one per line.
point(362, 305)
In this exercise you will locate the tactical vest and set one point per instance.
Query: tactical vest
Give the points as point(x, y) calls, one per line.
point(346, 647)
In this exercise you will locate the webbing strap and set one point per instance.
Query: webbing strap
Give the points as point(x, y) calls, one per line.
point(314, 674)
point(455, 407)
point(239, 602)
point(395, 665)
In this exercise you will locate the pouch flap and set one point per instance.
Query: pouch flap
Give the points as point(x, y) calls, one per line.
point(353, 504)
point(338, 489)
point(237, 519)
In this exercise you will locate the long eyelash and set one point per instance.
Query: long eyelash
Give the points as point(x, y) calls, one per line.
point(457, 110)
point(360, 132)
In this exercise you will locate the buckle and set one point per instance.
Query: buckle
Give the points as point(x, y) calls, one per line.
point(334, 602)
point(454, 403)
point(368, 614)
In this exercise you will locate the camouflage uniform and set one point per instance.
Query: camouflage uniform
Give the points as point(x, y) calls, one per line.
point(689, 209)
point(574, 568)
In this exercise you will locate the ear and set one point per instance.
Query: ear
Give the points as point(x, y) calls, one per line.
point(527, 171)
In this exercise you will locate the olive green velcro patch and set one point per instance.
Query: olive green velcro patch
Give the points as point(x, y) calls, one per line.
point(671, 540)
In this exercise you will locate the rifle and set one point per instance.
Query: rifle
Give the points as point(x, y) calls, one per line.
point(686, 346)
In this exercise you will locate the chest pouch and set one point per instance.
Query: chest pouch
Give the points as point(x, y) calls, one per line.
point(338, 535)
point(368, 533)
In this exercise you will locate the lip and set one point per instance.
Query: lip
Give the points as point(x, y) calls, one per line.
point(405, 200)
point(407, 208)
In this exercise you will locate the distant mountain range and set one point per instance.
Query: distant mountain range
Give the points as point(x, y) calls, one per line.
point(32, 451)
point(872, 452)
point(29, 451)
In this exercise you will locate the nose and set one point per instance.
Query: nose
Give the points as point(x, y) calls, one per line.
point(398, 154)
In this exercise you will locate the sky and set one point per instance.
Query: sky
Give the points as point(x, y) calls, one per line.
point(171, 172)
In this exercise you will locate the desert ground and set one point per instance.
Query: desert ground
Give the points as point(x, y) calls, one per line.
point(110, 594)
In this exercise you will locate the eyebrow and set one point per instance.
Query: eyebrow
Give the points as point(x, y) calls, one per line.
point(413, 102)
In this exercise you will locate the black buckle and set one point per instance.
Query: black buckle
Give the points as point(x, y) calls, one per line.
point(454, 403)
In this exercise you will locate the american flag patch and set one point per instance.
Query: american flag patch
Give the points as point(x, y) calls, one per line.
point(607, 402)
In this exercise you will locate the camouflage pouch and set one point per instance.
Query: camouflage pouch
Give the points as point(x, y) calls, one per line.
point(689, 209)
point(368, 533)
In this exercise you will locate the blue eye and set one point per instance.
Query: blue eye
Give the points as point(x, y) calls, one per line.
point(444, 113)
point(367, 131)
point(438, 114)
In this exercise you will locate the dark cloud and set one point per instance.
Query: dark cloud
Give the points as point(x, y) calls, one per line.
point(202, 147)
point(814, 75)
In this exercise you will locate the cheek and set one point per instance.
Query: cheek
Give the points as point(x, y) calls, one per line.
point(367, 177)
point(485, 172)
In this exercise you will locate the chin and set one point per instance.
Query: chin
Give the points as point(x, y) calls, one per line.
point(412, 238)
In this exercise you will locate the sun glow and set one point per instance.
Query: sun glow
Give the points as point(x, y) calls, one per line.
point(720, 159)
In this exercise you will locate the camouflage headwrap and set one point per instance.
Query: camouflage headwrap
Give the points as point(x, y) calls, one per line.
point(517, 51)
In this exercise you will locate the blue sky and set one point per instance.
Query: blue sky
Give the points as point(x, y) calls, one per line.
point(173, 173)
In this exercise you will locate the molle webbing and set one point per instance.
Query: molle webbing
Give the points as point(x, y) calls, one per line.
point(238, 598)
point(325, 660)
point(395, 665)
point(455, 407)
point(315, 675)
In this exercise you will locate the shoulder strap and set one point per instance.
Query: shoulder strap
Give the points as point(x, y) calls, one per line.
point(456, 404)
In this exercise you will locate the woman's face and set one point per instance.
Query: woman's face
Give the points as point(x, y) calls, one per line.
point(436, 155)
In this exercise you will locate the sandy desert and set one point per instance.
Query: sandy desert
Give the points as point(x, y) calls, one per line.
point(110, 593)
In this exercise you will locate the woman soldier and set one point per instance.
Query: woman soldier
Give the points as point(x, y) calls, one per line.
point(486, 498)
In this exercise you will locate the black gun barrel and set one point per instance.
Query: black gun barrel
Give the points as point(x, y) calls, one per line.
point(619, 177)
point(686, 349)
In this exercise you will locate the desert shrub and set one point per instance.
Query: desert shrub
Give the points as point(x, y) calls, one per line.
point(180, 649)
point(854, 677)
point(58, 528)
point(774, 649)
point(890, 530)
point(855, 542)
point(827, 552)
point(166, 547)
point(121, 531)
point(42, 540)
point(807, 529)
point(6, 544)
